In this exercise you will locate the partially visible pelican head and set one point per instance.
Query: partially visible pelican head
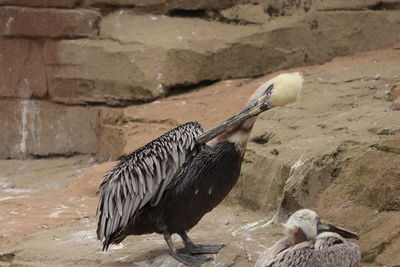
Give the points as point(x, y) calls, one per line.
point(310, 224)
point(279, 91)
point(305, 219)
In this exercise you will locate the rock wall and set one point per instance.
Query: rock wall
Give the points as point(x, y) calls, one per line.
point(62, 63)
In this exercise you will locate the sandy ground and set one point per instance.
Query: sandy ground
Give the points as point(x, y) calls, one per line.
point(48, 208)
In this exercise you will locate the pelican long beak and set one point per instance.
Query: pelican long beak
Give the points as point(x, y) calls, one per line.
point(328, 227)
point(261, 105)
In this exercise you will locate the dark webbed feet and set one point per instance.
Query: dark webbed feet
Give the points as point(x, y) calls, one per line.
point(201, 249)
point(197, 249)
point(186, 258)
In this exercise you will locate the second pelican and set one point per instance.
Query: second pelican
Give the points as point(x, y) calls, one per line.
point(308, 242)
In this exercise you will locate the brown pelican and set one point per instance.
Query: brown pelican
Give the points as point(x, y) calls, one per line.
point(308, 242)
point(168, 185)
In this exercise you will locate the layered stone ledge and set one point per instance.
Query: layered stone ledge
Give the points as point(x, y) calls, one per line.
point(48, 22)
point(117, 53)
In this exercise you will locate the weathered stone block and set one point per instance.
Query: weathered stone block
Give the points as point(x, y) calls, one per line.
point(54, 23)
point(88, 71)
point(362, 30)
point(204, 50)
point(22, 71)
point(40, 3)
point(41, 128)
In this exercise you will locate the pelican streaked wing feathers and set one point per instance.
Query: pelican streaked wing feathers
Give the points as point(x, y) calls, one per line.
point(328, 252)
point(142, 177)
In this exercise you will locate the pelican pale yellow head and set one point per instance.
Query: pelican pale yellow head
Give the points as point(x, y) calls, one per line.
point(287, 87)
point(279, 91)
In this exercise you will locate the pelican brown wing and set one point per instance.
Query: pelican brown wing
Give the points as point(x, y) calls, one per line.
point(142, 176)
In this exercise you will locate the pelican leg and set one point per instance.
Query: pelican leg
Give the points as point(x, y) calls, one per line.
point(197, 249)
point(185, 258)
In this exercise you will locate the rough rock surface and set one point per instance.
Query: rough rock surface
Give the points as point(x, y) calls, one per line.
point(89, 71)
point(39, 128)
point(26, 21)
point(22, 70)
point(41, 3)
point(246, 14)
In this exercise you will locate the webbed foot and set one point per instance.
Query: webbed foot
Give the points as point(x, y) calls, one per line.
point(201, 249)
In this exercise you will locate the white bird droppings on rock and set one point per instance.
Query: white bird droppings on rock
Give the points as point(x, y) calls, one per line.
point(55, 214)
point(160, 87)
point(8, 24)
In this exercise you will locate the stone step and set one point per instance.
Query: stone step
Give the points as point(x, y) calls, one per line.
point(40, 128)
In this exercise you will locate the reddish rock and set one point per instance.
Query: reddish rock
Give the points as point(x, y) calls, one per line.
point(53, 23)
point(22, 72)
point(42, 128)
point(40, 3)
point(10, 138)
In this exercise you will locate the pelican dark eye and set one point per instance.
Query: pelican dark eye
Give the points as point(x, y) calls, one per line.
point(269, 89)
